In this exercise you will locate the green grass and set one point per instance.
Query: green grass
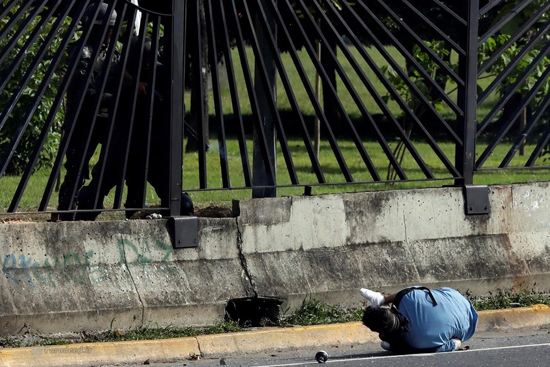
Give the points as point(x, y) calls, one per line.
point(302, 163)
point(333, 176)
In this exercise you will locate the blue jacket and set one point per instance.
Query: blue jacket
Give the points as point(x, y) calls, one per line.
point(432, 326)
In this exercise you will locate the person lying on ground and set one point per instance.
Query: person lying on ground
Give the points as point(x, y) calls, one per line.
point(420, 320)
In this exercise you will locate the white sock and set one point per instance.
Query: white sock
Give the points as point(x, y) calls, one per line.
point(376, 298)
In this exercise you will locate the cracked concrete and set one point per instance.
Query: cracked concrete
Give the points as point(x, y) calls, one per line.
point(248, 280)
point(127, 268)
point(62, 277)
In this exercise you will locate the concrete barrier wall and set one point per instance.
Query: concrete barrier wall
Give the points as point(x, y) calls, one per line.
point(64, 277)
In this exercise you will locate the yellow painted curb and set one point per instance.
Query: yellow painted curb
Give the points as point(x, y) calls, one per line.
point(264, 340)
point(167, 350)
point(285, 338)
point(513, 318)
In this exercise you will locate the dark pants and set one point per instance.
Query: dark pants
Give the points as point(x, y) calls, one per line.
point(77, 162)
point(132, 149)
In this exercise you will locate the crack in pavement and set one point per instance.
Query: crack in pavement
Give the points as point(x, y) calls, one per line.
point(244, 262)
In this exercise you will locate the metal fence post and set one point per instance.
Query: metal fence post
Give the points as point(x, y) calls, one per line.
point(476, 198)
point(176, 45)
point(260, 176)
point(467, 95)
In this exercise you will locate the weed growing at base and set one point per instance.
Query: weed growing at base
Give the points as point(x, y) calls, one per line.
point(310, 312)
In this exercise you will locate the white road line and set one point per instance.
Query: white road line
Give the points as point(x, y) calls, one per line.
point(404, 355)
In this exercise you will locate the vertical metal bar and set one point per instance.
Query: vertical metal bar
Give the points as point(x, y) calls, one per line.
point(241, 137)
point(467, 100)
point(216, 91)
point(262, 72)
point(107, 146)
point(135, 68)
point(260, 176)
point(327, 83)
point(247, 74)
point(63, 146)
point(199, 99)
point(287, 85)
point(177, 48)
point(96, 100)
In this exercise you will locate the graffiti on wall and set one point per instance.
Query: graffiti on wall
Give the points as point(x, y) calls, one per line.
point(77, 267)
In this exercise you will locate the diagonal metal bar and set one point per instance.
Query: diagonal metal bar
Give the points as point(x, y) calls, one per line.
point(451, 12)
point(442, 34)
point(57, 102)
point(56, 60)
point(107, 145)
point(360, 72)
point(520, 33)
point(413, 87)
point(410, 58)
point(6, 50)
point(17, 93)
point(252, 96)
point(543, 142)
point(490, 5)
point(137, 68)
point(380, 102)
point(355, 136)
point(96, 101)
point(150, 80)
point(526, 131)
point(278, 123)
point(290, 94)
point(543, 53)
point(420, 42)
point(504, 20)
point(6, 9)
point(213, 54)
point(226, 49)
point(310, 91)
point(510, 120)
point(14, 20)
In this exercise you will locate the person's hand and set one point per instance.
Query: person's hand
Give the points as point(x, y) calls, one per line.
point(142, 88)
point(376, 298)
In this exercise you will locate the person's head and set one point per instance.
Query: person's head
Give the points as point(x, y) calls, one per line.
point(381, 320)
point(97, 21)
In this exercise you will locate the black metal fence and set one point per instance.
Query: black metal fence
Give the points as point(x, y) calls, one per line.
point(130, 102)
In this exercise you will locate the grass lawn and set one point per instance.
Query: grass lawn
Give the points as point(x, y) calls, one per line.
point(357, 167)
point(333, 176)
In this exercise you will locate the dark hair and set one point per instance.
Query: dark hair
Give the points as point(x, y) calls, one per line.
point(380, 320)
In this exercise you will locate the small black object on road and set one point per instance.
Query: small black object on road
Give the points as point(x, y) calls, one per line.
point(321, 356)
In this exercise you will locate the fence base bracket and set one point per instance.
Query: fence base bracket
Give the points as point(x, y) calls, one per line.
point(477, 199)
point(184, 232)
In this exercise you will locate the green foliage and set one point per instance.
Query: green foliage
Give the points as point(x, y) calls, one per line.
point(510, 54)
point(18, 114)
point(430, 66)
point(315, 312)
point(507, 299)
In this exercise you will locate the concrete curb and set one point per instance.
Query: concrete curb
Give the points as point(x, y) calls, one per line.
point(223, 345)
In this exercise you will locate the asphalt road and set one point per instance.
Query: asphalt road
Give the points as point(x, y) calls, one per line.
point(495, 349)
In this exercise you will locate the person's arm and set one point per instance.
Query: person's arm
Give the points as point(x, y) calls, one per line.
point(389, 298)
point(453, 344)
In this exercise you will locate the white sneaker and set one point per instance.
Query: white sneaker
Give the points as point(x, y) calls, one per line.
point(385, 345)
point(376, 298)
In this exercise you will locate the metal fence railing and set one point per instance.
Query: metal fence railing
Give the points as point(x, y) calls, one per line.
point(111, 105)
